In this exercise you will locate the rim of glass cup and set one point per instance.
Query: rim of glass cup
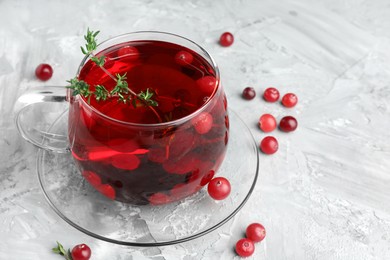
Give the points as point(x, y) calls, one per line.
point(106, 44)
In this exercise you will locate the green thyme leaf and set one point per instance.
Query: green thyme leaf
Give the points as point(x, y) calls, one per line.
point(79, 87)
point(101, 93)
point(147, 97)
point(59, 249)
point(99, 61)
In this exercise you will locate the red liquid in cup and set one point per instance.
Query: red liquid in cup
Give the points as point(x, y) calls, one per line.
point(142, 164)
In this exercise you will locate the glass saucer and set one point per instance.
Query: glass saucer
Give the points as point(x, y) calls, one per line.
point(74, 200)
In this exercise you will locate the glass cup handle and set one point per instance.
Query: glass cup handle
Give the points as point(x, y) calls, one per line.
point(27, 122)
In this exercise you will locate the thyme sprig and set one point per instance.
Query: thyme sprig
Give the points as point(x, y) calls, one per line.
point(61, 251)
point(121, 89)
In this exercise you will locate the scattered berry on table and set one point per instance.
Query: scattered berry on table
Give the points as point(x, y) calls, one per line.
point(226, 39)
point(248, 93)
point(255, 232)
point(219, 188)
point(81, 252)
point(269, 145)
point(267, 123)
point(44, 71)
point(289, 100)
point(271, 95)
point(245, 247)
point(288, 124)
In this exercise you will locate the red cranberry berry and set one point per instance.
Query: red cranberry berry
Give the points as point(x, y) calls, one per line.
point(207, 84)
point(248, 93)
point(269, 145)
point(92, 178)
point(255, 232)
point(219, 188)
point(288, 124)
point(267, 123)
point(107, 190)
point(226, 39)
point(125, 161)
point(44, 71)
point(128, 52)
point(81, 252)
point(203, 123)
point(207, 178)
point(159, 198)
point(245, 247)
point(271, 95)
point(289, 100)
point(183, 58)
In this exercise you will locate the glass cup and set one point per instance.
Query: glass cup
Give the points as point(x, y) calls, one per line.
point(141, 162)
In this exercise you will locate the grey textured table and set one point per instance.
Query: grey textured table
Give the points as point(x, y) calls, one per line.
point(324, 195)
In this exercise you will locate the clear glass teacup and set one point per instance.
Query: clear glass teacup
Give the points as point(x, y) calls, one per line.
point(132, 151)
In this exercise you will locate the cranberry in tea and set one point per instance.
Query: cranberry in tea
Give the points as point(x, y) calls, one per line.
point(141, 154)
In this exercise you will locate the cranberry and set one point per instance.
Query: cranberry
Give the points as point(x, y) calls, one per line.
point(219, 188)
point(288, 124)
point(267, 123)
point(255, 232)
point(207, 178)
point(181, 143)
point(81, 252)
point(184, 58)
point(269, 145)
point(271, 95)
point(159, 198)
point(207, 84)
point(248, 93)
point(92, 178)
point(44, 71)
point(128, 52)
point(158, 155)
point(184, 165)
point(226, 39)
point(289, 100)
point(107, 190)
point(125, 161)
point(203, 123)
point(245, 247)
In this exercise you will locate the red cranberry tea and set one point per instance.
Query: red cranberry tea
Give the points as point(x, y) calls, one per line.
point(142, 154)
